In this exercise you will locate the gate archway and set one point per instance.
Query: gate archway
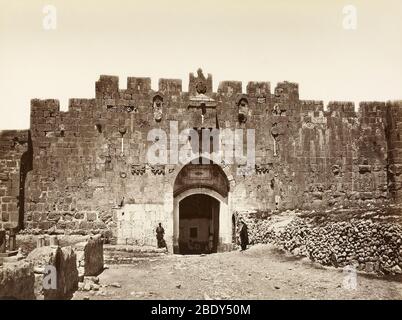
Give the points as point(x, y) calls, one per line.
point(201, 215)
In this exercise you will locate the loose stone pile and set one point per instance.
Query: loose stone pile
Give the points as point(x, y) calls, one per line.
point(368, 245)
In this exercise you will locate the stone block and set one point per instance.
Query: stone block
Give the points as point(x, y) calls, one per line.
point(170, 86)
point(370, 267)
point(230, 88)
point(91, 216)
point(17, 281)
point(107, 87)
point(79, 216)
point(5, 216)
point(90, 256)
point(138, 85)
point(258, 89)
point(65, 262)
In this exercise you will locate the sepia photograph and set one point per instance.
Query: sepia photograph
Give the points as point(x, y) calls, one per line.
point(219, 152)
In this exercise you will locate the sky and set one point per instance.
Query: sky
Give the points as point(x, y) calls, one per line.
point(303, 41)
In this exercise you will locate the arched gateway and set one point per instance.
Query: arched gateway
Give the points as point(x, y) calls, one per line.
point(201, 215)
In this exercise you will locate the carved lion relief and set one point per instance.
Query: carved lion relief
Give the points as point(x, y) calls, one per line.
point(243, 109)
point(157, 106)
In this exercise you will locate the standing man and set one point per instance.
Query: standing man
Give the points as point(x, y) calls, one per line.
point(243, 235)
point(211, 242)
point(160, 232)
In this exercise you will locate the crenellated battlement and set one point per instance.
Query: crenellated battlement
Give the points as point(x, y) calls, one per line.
point(138, 98)
point(107, 87)
point(311, 105)
point(229, 88)
point(256, 105)
point(258, 89)
point(170, 86)
point(287, 91)
point(372, 109)
point(341, 108)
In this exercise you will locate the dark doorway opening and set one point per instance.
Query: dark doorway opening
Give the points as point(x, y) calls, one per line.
point(198, 224)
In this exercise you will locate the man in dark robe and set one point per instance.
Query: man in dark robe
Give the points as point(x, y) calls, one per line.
point(243, 235)
point(160, 232)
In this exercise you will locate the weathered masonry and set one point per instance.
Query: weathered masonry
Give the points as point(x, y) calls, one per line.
point(86, 170)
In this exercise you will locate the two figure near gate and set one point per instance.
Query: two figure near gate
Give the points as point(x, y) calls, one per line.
point(243, 235)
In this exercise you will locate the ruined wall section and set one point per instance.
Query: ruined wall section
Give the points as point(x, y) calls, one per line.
point(14, 163)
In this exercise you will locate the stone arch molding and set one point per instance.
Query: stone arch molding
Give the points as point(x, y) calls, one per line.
point(202, 175)
point(205, 191)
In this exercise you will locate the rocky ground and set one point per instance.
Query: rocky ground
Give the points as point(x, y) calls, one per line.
point(261, 272)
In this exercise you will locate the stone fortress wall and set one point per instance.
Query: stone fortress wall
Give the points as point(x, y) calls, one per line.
point(70, 171)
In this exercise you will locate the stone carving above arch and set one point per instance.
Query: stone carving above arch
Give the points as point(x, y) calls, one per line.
point(210, 176)
point(242, 108)
point(209, 192)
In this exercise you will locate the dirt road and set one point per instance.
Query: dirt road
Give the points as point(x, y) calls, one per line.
point(261, 272)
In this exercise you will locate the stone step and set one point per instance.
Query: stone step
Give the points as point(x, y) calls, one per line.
point(133, 249)
point(122, 254)
point(134, 253)
point(127, 260)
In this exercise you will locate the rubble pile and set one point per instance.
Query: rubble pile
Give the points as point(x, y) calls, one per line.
point(260, 231)
point(370, 246)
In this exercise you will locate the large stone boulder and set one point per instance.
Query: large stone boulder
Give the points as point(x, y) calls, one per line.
point(17, 281)
point(64, 260)
point(90, 256)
